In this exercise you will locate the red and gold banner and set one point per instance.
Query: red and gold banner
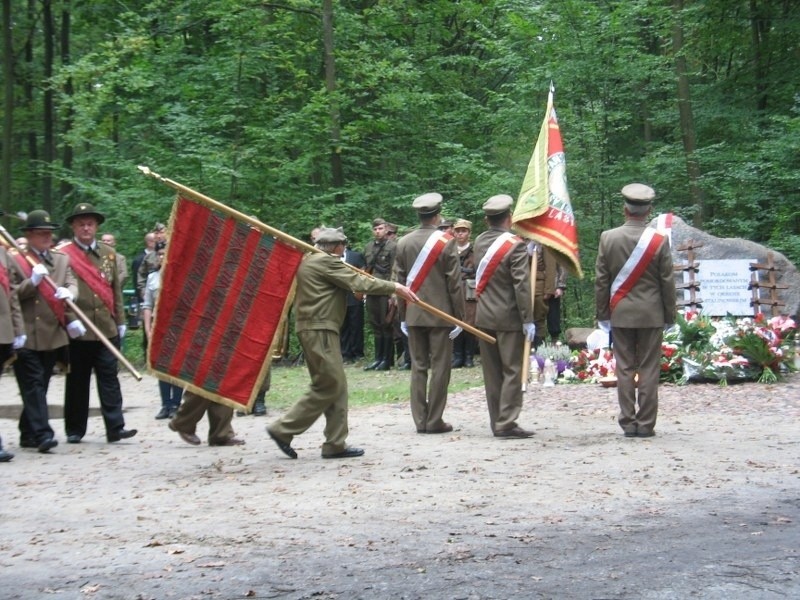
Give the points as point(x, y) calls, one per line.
point(544, 212)
point(225, 289)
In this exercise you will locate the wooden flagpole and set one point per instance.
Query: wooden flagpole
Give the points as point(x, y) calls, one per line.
point(298, 244)
point(74, 308)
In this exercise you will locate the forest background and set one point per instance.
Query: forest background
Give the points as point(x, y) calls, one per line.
point(304, 112)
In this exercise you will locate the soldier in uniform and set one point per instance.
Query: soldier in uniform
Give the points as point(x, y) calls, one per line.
point(100, 299)
point(636, 318)
point(464, 345)
point(45, 320)
point(320, 303)
point(427, 262)
point(12, 331)
point(379, 255)
point(504, 312)
point(122, 262)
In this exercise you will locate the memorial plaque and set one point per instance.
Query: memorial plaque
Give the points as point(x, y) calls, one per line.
point(724, 287)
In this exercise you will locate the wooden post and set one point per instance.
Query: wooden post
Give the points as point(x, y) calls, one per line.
point(772, 285)
point(693, 285)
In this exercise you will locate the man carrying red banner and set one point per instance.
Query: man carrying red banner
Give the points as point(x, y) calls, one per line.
point(100, 299)
point(45, 324)
point(323, 281)
point(635, 301)
point(427, 262)
point(505, 312)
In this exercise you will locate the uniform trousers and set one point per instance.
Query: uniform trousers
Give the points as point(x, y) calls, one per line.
point(378, 309)
point(637, 351)
point(192, 410)
point(33, 369)
point(502, 377)
point(352, 335)
point(431, 349)
point(327, 394)
point(85, 356)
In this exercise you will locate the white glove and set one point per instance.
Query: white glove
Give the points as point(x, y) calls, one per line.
point(63, 293)
point(455, 333)
point(19, 341)
point(604, 326)
point(75, 329)
point(404, 328)
point(121, 329)
point(39, 273)
point(529, 329)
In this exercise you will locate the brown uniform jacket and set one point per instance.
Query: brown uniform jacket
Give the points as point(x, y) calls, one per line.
point(323, 281)
point(104, 258)
point(11, 324)
point(651, 301)
point(41, 324)
point(441, 288)
point(505, 303)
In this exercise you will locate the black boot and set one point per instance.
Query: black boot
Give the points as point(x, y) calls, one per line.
point(458, 352)
point(260, 406)
point(378, 354)
point(387, 353)
point(469, 349)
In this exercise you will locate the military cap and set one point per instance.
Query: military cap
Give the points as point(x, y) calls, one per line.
point(378, 221)
point(638, 194)
point(497, 205)
point(445, 223)
point(38, 219)
point(463, 224)
point(85, 210)
point(427, 204)
point(329, 235)
point(391, 228)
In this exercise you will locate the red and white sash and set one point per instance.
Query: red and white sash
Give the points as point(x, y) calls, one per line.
point(426, 258)
point(664, 224)
point(86, 270)
point(493, 257)
point(636, 264)
point(46, 291)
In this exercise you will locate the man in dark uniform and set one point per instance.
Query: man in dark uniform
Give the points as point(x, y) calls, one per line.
point(45, 323)
point(352, 334)
point(379, 254)
point(100, 299)
point(427, 261)
point(323, 281)
point(504, 312)
point(635, 300)
point(464, 345)
point(12, 329)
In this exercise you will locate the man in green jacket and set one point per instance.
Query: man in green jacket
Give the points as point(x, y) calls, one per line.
point(323, 281)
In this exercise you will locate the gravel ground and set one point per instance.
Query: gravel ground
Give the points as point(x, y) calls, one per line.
point(709, 508)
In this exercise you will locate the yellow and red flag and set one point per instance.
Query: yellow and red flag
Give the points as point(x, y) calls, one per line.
point(543, 212)
point(225, 289)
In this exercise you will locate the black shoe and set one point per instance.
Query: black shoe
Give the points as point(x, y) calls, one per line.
point(457, 364)
point(121, 434)
point(28, 443)
point(404, 367)
point(469, 363)
point(163, 413)
point(645, 434)
point(630, 434)
point(259, 409)
point(383, 366)
point(346, 453)
point(47, 445)
point(74, 438)
point(285, 448)
point(371, 366)
point(5, 455)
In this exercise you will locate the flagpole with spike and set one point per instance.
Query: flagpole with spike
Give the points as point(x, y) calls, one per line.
point(292, 241)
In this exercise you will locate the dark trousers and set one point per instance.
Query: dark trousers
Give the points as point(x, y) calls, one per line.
point(33, 369)
point(554, 317)
point(84, 358)
point(352, 334)
point(171, 394)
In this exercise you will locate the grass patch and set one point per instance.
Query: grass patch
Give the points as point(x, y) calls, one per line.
point(366, 388)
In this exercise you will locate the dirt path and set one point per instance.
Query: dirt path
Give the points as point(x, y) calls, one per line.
point(709, 508)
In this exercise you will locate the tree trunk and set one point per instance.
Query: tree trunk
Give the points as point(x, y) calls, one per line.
point(760, 25)
point(685, 116)
point(66, 186)
point(8, 106)
point(48, 145)
point(330, 85)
